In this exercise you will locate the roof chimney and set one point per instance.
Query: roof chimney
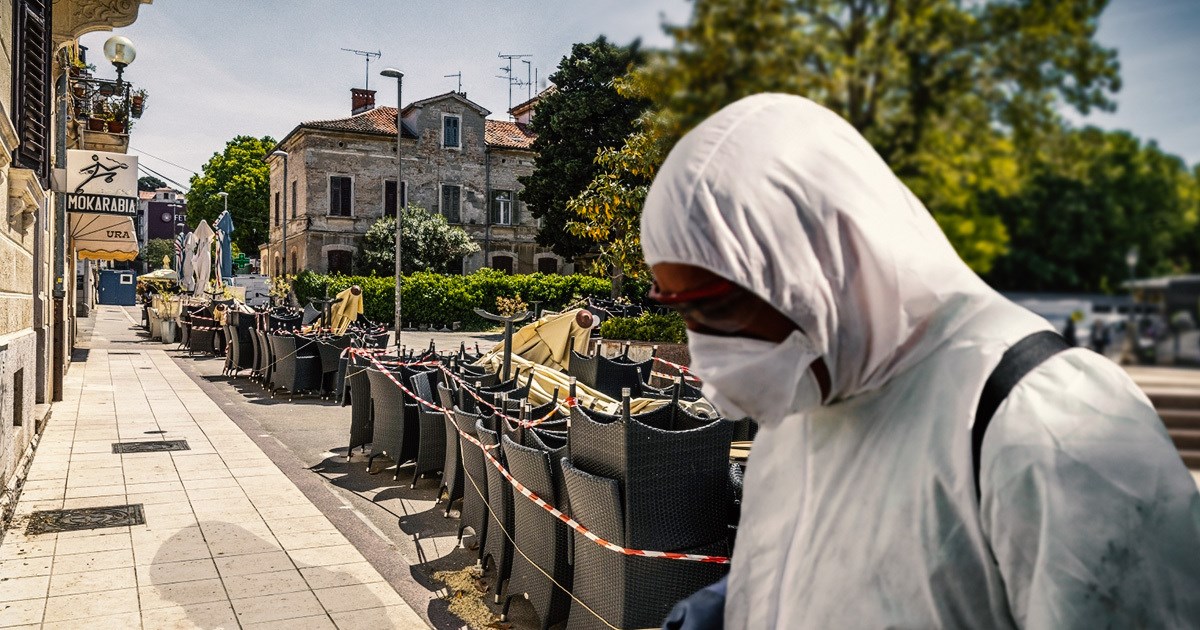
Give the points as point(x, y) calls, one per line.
point(361, 100)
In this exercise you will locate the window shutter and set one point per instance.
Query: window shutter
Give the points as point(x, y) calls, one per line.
point(516, 209)
point(389, 198)
point(32, 85)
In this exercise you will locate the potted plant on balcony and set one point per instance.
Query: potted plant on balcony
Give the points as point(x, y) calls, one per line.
point(97, 117)
point(137, 103)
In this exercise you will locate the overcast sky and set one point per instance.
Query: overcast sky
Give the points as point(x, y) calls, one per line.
point(218, 68)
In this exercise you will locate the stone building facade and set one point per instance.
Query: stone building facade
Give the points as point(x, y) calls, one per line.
point(341, 178)
point(38, 41)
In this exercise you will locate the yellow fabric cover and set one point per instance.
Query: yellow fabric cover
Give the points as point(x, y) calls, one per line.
point(545, 348)
point(346, 311)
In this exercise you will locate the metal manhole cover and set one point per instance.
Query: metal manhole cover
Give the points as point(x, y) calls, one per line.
point(153, 446)
point(54, 521)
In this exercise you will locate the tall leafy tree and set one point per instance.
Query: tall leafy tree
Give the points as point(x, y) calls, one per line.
point(430, 244)
point(581, 115)
point(609, 210)
point(944, 89)
point(150, 183)
point(240, 171)
point(1091, 195)
point(152, 254)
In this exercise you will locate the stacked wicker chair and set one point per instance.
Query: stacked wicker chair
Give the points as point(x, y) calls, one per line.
point(642, 483)
point(297, 364)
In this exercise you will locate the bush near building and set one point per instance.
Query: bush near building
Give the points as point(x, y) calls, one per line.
point(440, 300)
point(646, 327)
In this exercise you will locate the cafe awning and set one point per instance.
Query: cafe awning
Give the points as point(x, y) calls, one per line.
point(103, 236)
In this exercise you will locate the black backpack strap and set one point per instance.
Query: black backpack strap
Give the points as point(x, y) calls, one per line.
point(1019, 360)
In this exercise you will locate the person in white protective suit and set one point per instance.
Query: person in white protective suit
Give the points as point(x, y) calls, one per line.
point(823, 301)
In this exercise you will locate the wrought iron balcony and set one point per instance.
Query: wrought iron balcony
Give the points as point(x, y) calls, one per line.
point(103, 111)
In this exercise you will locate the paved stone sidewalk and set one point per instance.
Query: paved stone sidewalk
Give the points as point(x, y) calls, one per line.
point(228, 542)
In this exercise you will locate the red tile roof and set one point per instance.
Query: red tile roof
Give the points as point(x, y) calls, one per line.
point(503, 134)
point(145, 195)
point(500, 134)
point(378, 121)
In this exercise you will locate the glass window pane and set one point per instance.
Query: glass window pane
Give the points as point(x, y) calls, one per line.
point(450, 128)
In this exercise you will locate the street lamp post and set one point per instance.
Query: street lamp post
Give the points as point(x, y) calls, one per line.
point(225, 198)
point(1130, 345)
point(393, 73)
point(120, 52)
point(283, 193)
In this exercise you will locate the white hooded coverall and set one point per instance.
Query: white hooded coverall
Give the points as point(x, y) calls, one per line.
point(862, 513)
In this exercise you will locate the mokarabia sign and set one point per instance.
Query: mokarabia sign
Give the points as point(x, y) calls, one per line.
point(101, 182)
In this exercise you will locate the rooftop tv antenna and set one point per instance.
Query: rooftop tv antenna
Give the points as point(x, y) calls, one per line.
point(369, 56)
point(457, 75)
point(508, 74)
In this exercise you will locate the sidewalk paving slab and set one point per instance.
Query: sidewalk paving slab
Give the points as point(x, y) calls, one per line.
point(228, 540)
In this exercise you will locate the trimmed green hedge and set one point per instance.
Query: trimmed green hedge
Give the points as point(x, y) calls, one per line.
point(646, 327)
point(440, 300)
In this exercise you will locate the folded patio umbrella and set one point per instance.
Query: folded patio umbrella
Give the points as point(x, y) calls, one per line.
point(202, 264)
point(544, 347)
point(346, 310)
point(160, 275)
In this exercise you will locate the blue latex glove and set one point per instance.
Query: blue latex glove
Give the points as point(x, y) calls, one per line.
point(703, 610)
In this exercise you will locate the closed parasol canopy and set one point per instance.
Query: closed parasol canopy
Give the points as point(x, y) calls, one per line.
point(160, 275)
point(103, 236)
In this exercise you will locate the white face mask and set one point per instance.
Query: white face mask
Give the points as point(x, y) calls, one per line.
point(756, 379)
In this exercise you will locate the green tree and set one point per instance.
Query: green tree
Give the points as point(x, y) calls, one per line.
point(240, 171)
point(430, 244)
point(917, 78)
point(152, 254)
point(150, 183)
point(609, 210)
point(1092, 195)
point(581, 115)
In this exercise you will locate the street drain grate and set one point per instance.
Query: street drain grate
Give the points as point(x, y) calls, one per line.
point(159, 432)
point(123, 354)
point(153, 446)
point(54, 521)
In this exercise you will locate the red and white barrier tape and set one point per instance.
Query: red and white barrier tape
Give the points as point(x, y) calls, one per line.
point(573, 524)
point(495, 410)
point(683, 370)
point(529, 494)
point(406, 390)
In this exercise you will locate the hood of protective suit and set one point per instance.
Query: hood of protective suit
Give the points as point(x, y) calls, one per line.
point(783, 197)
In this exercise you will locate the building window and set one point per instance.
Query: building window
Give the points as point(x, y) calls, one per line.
point(293, 199)
point(276, 269)
point(456, 267)
point(547, 264)
point(451, 202)
point(276, 208)
point(338, 261)
point(341, 194)
point(503, 263)
point(502, 207)
point(31, 84)
point(451, 131)
point(294, 269)
point(389, 197)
